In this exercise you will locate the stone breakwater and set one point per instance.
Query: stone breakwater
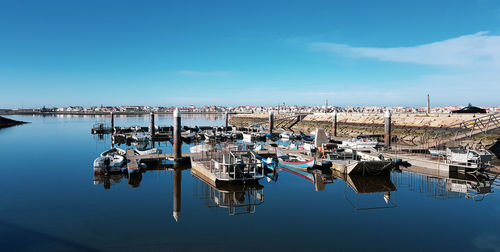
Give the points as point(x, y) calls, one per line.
point(408, 129)
point(437, 120)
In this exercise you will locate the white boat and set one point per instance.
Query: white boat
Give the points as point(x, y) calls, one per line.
point(114, 151)
point(188, 135)
point(140, 137)
point(259, 147)
point(209, 134)
point(110, 161)
point(247, 138)
point(437, 153)
point(286, 135)
point(200, 148)
point(359, 143)
point(147, 152)
point(468, 158)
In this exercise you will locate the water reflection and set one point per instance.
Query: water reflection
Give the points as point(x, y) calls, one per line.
point(177, 193)
point(108, 180)
point(235, 198)
point(320, 178)
point(370, 192)
point(445, 185)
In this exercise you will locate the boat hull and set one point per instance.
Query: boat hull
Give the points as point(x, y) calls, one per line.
point(298, 165)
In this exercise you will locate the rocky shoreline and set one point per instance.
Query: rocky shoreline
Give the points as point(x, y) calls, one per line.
point(6, 122)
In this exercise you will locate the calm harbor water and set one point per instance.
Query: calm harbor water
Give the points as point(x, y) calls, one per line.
point(50, 202)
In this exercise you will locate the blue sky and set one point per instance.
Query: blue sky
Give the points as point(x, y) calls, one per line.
point(164, 53)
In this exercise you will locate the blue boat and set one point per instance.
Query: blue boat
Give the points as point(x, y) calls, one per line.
point(294, 161)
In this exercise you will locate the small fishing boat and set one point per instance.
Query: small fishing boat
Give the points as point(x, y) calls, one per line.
point(140, 137)
point(113, 151)
point(147, 152)
point(468, 158)
point(305, 137)
point(295, 161)
point(437, 152)
point(209, 134)
point(359, 143)
point(188, 135)
point(200, 148)
point(110, 161)
point(259, 147)
point(247, 138)
point(286, 135)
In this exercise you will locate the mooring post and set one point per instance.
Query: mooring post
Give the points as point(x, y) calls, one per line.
point(177, 193)
point(152, 125)
point(387, 128)
point(177, 135)
point(271, 121)
point(428, 104)
point(227, 120)
point(112, 123)
point(334, 123)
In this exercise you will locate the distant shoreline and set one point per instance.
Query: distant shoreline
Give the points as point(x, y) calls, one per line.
point(100, 113)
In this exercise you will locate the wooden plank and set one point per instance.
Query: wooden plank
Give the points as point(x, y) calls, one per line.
point(131, 161)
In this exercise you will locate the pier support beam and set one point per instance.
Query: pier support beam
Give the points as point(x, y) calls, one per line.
point(271, 121)
point(177, 135)
point(428, 104)
point(152, 126)
point(112, 123)
point(177, 193)
point(227, 119)
point(387, 128)
point(334, 123)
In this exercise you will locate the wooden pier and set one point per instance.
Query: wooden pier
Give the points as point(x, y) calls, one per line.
point(132, 158)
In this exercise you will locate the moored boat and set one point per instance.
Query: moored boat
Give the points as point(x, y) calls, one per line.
point(360, 142)
point(305, 137)
point(140, 137)
point(295, 161)
point(200, 148)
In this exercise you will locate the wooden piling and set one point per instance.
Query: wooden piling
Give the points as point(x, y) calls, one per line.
point(177, 135)
point(271, 121)
point(227, 119)
point(428, 104)
point(387, 128)
point(334, 123)
point(177, 193)
point(152, 125)
point(112, 123)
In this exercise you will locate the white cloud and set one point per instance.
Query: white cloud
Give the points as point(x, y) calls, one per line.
point(204, 73)
point(475, 50)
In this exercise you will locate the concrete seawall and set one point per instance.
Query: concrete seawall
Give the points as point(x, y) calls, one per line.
point(407, 128)
point(433, 120)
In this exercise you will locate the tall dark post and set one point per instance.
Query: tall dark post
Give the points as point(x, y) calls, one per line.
point(271, 121)
point(428, 104)
point(387, 127)
point(177, 193)
point(177, 135)
point(227, 119)
point(152, 126)
point(112, 123)
point(334, 123)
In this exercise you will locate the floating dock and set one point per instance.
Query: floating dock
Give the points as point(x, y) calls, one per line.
point(227, 166)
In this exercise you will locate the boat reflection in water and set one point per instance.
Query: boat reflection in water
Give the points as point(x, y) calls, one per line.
point(320, 178)
point(133, 180)
point(370, 192)
point(235, 198)
point(445, 185)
